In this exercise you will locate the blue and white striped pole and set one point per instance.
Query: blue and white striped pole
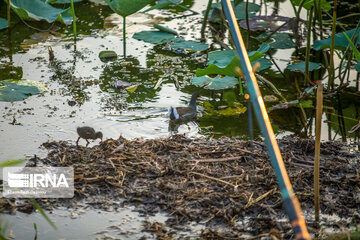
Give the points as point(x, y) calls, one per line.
point(290, 201)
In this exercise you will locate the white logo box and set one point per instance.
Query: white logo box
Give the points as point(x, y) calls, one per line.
point(38, 182)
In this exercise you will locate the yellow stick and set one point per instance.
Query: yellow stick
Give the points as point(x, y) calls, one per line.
point(319, 109)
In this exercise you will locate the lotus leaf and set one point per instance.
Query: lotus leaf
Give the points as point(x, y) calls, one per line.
point(39, 10)
point(3, 23)
point(239, 10)
point(308, 3)
point(127, 7)
point(17, 91)
point(301, 66)
point(155, 37)
point(216, 83)
point(341, 41)
point(163, 4)
point(192, 45)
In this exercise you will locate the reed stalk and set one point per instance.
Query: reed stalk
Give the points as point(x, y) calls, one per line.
point(319, 110)
point(308, 40)
point(332, 47)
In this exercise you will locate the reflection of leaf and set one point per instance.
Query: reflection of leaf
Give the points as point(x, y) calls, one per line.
point(267, 23)
point(340, 40)
point(155, 37)
point(301, 66)
point(17, 91)
point(216, 83)
point(192, 45)
point(231, 111)
point(38, 10)
point(127, 7)
point(3, 23)
point(236, 109)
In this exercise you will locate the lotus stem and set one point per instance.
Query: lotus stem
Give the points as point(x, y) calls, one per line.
point(247, 25)
point(8, 13)
point(74, 18)
point(332, 47)
point(124, 36)
point(205, 21)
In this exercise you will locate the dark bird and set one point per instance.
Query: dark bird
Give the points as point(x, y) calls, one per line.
point(88, 133)
point(184, 113)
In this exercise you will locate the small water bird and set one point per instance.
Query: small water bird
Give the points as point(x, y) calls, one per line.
point(184, 113)
point(87, 133)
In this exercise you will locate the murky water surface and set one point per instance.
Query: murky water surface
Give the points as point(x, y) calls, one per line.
point(80, 91)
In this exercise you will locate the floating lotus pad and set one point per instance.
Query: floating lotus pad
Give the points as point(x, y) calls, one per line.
point(11, 91)
point(216, 83)
point(301, 66)
point(192, 45)
point(155, 37)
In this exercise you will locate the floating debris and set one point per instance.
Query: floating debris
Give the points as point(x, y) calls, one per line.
point(222, 182)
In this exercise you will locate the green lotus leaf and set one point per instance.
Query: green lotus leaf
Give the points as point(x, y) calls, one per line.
point(127, 7)
point(165, 29)
point(192, 45)
point(11, 91)
point(229, 69)
point(341, 42)
point(223, 58)
point(3, 23)
point(301, 66)
point(264, 63)
point(216, 83)
point(60, 1)
point(308, 3)
point(163, 4)
point(39, 10)
point(357, 66)
point(155, 37)
point(280, 40)
point(239, 10)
